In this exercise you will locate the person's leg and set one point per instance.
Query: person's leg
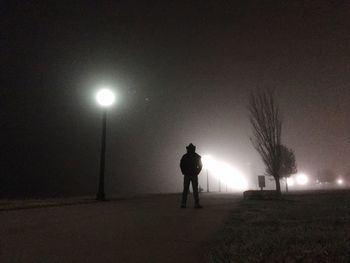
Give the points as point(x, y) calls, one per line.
point(185, 191)
point(195, 191)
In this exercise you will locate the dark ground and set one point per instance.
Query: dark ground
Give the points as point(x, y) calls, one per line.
point(303, 227)
point(145, 229)
point(309, 226)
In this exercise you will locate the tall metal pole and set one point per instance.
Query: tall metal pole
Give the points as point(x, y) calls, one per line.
point(207, 181)
point(101, 184)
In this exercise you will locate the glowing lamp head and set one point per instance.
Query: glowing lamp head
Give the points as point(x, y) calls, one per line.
point(105, 97)
point(302, 179)
point(339, 181)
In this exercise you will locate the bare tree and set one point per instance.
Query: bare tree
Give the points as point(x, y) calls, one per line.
point(267, 127)
point(288, 163)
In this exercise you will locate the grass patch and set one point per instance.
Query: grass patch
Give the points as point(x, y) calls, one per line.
point(301, 227)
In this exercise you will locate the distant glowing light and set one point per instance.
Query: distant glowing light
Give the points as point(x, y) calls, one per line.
point(105, 97)
point(302, 179)
point(340, 181)
point(227, 174)
point(208, 162)
point(290, 181)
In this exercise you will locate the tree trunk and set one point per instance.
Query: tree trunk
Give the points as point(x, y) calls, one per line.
point(278, 185)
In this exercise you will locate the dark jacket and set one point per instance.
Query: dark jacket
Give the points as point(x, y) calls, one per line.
point(191, 164)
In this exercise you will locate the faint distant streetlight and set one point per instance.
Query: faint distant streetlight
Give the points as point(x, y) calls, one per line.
point(105, 98)
point(302, 179)
point(340, 181)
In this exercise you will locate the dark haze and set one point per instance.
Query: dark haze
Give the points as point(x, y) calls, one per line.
point(183, 71)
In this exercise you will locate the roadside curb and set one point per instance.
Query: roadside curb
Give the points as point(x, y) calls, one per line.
point(11, 206)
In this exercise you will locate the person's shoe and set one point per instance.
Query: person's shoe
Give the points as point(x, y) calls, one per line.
point(198, 206)
point(183, 206)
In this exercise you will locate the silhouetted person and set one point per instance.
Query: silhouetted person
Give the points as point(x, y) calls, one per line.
point(191, 166)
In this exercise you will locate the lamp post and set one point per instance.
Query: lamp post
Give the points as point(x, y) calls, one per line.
point(105, 98)
point(207, 162)
point(207, 181)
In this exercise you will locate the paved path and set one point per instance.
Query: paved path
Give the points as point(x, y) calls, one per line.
point(147, 229)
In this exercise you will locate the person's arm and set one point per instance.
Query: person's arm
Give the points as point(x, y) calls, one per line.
point(182, 165)
point(200, 165)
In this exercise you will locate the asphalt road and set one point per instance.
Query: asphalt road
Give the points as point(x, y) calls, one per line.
point(147, 229)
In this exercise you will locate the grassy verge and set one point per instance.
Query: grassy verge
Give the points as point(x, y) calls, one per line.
point(302, 227)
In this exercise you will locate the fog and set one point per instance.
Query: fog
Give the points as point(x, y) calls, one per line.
point(183, 73)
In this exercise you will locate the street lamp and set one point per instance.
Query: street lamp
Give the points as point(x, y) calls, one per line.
point(207, 181)
point(340, 181)
point(207, 162)
point(302, 179)
point(105, 98)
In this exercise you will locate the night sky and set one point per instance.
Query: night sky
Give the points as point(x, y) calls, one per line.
point(183, 71)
